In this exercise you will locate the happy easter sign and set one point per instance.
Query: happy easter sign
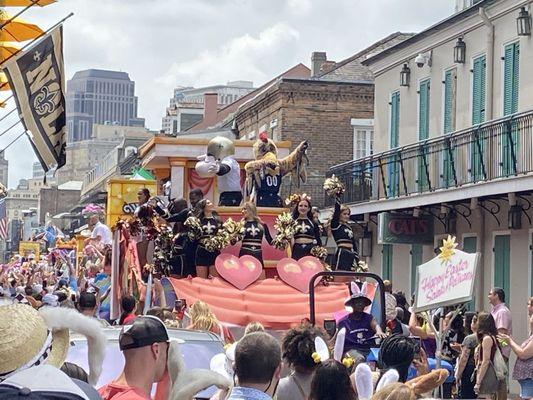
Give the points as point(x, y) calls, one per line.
point(447, 279)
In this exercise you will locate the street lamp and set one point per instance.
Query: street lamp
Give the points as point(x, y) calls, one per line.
point(515, 217)
point(459, 51)
point(405, 75)
point(523, 23)
point(366, 244)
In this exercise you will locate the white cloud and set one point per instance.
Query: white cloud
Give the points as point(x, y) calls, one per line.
point(245, 58)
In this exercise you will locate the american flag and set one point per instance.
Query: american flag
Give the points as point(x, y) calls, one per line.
point(3, 219)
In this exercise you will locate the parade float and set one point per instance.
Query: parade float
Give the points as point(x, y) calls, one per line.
point(237, 295)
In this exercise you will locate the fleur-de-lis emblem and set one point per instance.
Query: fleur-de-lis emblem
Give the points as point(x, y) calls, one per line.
point(209, 228)
point(37, 56)
point(349, 232)
point(254, 230)
point(46, 100)
point(303, 227)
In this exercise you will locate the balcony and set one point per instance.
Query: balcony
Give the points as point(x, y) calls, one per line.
point(491, 152)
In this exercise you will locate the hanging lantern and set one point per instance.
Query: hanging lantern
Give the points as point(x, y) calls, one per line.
point(405, 75)
point(523, 23)
point(515, 217)
point(459, 52)
point(366, 244)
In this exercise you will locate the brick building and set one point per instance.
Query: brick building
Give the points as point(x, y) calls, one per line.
point(319, 111)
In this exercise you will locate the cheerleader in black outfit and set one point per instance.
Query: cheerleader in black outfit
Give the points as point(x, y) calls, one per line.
point(254, 231)
point(307, 233)
point(205, 259)
point(346, 256)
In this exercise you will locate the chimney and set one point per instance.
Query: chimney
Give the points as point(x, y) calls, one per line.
point(210, 108)
point(317, 59)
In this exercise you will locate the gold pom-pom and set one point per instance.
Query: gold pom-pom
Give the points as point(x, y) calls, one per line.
point(319, 252)
point(285, 227)
point(194, 228)
point(360, 266)
point(333, 186)
point(348, 361)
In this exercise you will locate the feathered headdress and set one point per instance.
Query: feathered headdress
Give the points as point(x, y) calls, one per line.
point(91, 209)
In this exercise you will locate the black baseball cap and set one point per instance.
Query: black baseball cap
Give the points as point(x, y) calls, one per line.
point(144, 331)
point(87, 300)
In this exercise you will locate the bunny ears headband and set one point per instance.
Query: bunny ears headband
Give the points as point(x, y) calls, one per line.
point(358, 293)
point(322, 351)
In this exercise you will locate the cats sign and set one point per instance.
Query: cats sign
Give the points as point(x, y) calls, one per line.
point(445, 281)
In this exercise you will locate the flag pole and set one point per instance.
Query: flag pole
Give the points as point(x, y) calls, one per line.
point(33, 41)
point(34, 2)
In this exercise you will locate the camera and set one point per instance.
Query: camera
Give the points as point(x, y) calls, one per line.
point(420, 60)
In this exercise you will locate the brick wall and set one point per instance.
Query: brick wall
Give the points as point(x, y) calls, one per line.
point(314, 110)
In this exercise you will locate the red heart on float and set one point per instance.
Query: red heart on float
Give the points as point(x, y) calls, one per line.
point(240, 272)
point(298, 273)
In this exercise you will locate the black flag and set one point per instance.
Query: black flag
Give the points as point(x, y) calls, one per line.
point(37, 79)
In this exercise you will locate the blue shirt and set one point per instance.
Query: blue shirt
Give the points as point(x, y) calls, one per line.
point(244, 393)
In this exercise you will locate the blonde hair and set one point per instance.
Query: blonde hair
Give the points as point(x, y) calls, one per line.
point(253, 210)
point(254, 327)
point(395, 391)
point(202, 318)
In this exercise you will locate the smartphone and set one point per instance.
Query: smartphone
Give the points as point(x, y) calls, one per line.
point(418, 343)
point(180, 305)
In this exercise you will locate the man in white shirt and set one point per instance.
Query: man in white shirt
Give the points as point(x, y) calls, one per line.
point(100, 232)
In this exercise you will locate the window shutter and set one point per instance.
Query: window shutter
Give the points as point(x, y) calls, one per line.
point(449, 101)
point(510, 79)
point(423, 120)
point(395, 120)
point(478, 91)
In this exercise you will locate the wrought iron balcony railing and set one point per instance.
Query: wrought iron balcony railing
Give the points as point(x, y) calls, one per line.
point(490, 151)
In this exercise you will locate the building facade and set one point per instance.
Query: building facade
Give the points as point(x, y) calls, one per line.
point(4, 169)
point(453, 122)
point(99, 97)
point(186, 107)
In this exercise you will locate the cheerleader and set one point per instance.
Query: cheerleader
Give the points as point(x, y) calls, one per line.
point(346, 256)
point(205, 259)
point(307, 233)
point(254, 231)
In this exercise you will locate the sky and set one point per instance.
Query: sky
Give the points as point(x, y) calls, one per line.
point(162, 44)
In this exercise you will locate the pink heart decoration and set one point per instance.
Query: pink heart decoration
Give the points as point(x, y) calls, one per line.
point(298, 273)
point(240, 272)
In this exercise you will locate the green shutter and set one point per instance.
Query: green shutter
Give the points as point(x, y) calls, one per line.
point(511, 79)
point(502, 261)
point(470, 246)
point(394, 168)
point(478, 114)
point(416, 260)
point(423, 133)
point(449, 123)
point(386, 262)
point(478, 90)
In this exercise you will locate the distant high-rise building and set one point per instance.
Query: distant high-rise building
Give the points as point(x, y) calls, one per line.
point(100, 97)
point(4, 169)
point(186, 107)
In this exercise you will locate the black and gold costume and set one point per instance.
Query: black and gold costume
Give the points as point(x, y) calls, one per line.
point(308, 232)
point(204, 257)
point(252, 239)
point(346, 256)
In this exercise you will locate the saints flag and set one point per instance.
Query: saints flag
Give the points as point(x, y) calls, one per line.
point(37, 79)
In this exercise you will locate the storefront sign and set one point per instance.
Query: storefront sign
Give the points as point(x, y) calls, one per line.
point(400, 228)
point(444, 282)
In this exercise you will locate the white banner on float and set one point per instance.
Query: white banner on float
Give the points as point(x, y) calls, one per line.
point(444, 283)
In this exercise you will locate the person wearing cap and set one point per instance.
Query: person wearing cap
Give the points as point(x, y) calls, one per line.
point(101, 232)
point(145, 346)
point(88, 306)
point(361, 327)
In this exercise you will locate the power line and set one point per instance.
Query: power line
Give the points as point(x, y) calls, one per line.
point(8, 114)
point(13, 141)
point(11, 127)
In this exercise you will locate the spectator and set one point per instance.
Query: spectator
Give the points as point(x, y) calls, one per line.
point(145, 346)
point(74, 371)
point(504, 324)
point(390, 301)
point(419, 326)
point(398, 352)
point(203, 319)
point(257, 367)
point(128, 304)
point(486, 381)
point(401, 302)
point(331, 381)
point(466, 363)
point(523, 368)
point(297, 348)
point(254, 327)
point(88, 306)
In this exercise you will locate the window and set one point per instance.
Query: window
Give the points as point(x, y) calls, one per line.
point(363, 142)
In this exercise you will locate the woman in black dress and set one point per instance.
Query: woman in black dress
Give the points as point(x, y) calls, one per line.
point(254, 231)
point(307, 233)
point(346, 256)
point(205, 259)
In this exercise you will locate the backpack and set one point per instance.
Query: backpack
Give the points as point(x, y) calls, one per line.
point(500, 367)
